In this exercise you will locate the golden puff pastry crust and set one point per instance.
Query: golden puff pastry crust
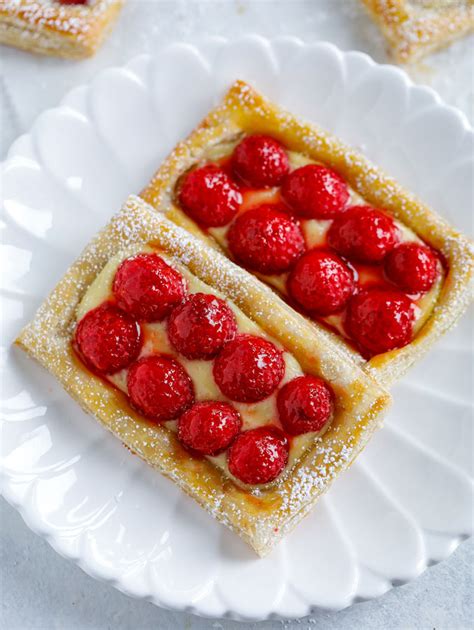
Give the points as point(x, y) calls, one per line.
point(61, 30)
point(414, 28)
point(244, 111)
point(260, 515)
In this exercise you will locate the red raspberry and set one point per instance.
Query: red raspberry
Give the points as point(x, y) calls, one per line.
point(200, 327)
point(266, 240)
point(107, 340)
point(321, 282)
point(209, 196)
point(412, 267)
point(249, 368)
point(73, 1)
point(159, 388)
point(364, 234)
point(260, 161)
point(208, 428)
point(305, 404)
point(315, 192)
point(147, 287)
point(380, 320)
point(259, 455)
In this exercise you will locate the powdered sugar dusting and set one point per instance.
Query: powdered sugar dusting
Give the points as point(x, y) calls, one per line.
point(73, 19)
point(427, 22)
point(415, 27)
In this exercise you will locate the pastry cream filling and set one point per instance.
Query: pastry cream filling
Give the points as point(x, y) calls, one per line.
point(156, 342)
point(315, 231)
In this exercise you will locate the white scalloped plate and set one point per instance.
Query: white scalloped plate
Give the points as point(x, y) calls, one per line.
point(405, 504)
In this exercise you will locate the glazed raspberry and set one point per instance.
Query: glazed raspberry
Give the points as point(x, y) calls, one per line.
point(208, 428)
point(315, 192)
point(364, 234)
point(380, 320)
point(249, 368)
point(200, 327)
point(209, 196)
point(260, 161)
point(147, 287)
point(304, 404)
point(321, 282)
point(412, 267)
point(259, 455)
point(159, 388)
point(107, 340)
point(265, 239)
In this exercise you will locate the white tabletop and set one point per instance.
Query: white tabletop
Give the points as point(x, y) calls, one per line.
point(38, 588)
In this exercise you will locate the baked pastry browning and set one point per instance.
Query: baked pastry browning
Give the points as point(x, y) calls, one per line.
point(415, 28)
point(340, 240)
point(261, 505)
point(73, 29)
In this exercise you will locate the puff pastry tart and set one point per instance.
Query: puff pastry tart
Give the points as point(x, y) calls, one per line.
point(205, 373)
point(343, 243)
point(64, 28)
point(414, 28)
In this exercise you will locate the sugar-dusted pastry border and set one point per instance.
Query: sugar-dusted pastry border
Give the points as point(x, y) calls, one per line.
point(243, 110)
point(414, 31)
point(261, 516)
point(50, 28)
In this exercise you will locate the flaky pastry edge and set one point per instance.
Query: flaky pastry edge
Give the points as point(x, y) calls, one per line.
point(67, 31)
point(414, 33)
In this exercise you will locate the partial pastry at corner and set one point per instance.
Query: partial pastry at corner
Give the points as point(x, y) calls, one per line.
point(340, 241)
point(415, 28)
point(73, 29)
point(205, 373)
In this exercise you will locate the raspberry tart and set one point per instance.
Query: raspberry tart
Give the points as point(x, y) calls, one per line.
point(340, 241)
point(73, 29)
point(205, 373)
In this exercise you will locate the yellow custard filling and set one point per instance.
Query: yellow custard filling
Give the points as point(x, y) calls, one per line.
point(156, 342)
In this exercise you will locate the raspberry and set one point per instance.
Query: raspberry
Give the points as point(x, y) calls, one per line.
point(107, 340)
point(73, 1)
point(147, 287)
point(364, 234)
point(249, 368)
point(260, 161)
point(200, 327)
point(412, 267)
point(315, 192)
point(380, 320)
point(304, 404)
point(209, 196)
point(259, 455)
point(321, 283)
point(266, 240)
point(208, 428)
point(159, 388)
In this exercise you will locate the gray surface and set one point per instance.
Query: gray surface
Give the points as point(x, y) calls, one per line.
point(38, 588)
